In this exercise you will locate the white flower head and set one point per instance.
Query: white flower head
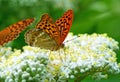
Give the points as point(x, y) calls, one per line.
point(83, 56)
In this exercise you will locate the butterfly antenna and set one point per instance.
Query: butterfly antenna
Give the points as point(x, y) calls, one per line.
point(72, 39)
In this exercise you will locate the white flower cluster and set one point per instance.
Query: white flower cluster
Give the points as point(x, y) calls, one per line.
point(82, 56)
point(26, 66)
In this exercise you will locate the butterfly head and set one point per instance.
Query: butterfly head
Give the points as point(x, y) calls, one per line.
point(58, 47)
point(62, 45)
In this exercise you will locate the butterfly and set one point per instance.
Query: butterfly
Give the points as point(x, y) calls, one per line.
point(49, 34)
point(12, 31)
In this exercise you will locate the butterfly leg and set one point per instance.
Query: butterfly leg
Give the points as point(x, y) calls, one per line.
point(61, 58)
point(50, 55)
point(64, 49)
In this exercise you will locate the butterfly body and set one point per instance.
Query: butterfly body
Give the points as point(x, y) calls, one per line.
point(49, 34)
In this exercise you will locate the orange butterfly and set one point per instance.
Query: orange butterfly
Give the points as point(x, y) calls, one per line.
point(49, 34)
point(11, 32)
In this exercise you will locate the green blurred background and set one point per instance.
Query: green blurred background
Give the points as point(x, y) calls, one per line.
point(90, 16)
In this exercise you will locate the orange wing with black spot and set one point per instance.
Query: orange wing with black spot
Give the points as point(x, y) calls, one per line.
point(11, 32)
point(64, 23)
point(48, 26)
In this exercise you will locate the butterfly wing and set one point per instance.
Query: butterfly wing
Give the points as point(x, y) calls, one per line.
point(48, 26)
point(11, 32)
point(64, 23)
point(38, 38)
